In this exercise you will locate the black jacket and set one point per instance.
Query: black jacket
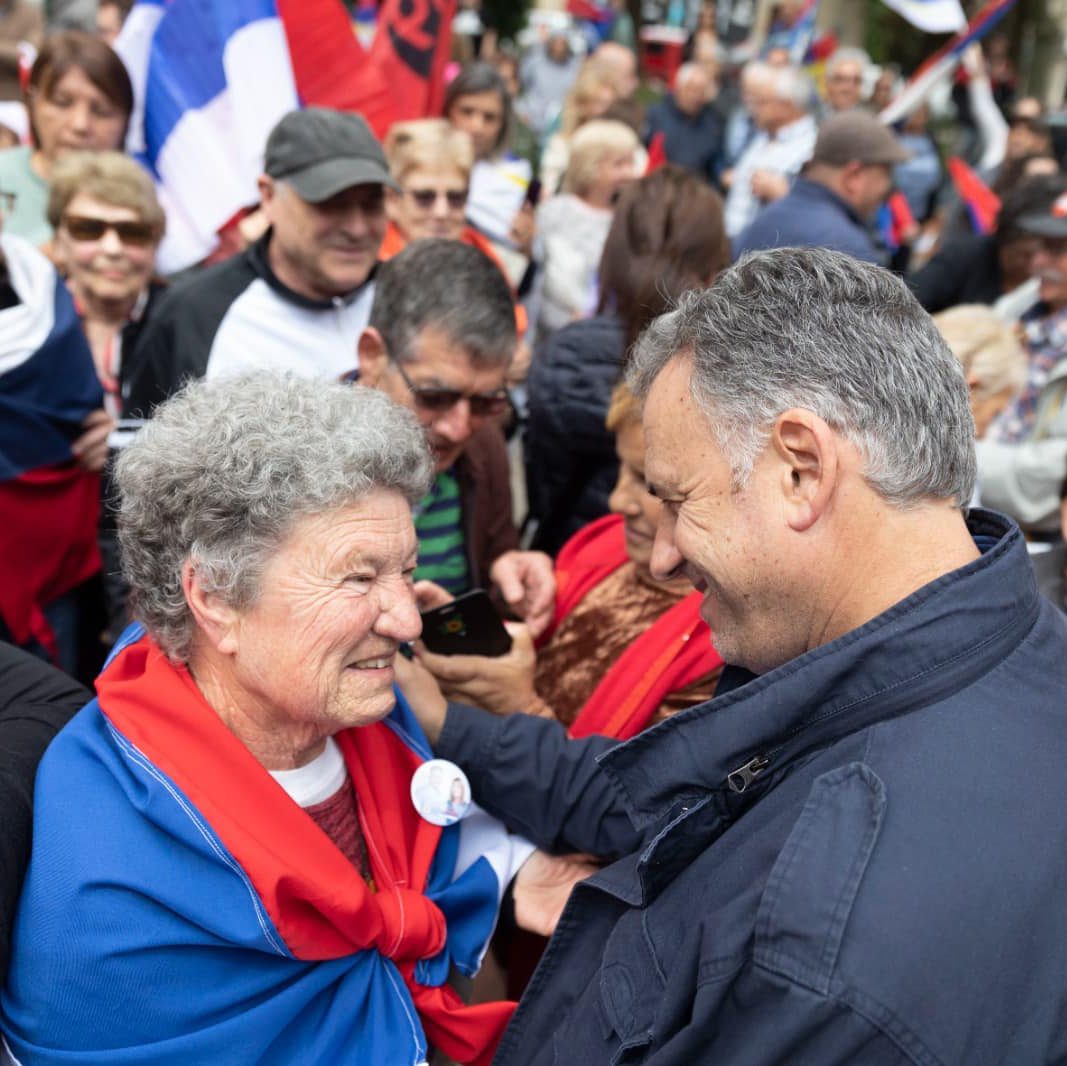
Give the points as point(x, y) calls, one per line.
point(571, 466)
point(36, 701)
point(964, 271)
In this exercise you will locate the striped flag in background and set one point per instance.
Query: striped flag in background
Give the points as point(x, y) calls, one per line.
point(211, 77)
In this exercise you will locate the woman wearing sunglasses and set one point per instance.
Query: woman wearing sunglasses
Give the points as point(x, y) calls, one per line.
point(108, 224)
point(431, 163)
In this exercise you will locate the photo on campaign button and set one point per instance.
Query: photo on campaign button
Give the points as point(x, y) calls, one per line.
point(440, 792)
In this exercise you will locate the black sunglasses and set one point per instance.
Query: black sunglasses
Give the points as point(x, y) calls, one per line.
point(437, 401)
point(426, 198)
point(136, 234)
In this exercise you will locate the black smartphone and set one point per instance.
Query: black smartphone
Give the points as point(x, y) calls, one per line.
point(533, 192)
point(469, 625)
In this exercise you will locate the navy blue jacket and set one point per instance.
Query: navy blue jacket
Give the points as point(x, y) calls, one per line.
point(690, 141)
point(571, 465)
point(809, 216)
point(859, 857)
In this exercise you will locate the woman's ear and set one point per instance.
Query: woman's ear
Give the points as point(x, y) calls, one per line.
point(216, 620)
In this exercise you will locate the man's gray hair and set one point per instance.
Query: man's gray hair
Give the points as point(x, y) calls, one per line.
point(849, 55)
point(819, 330)
point(792, 84)
point(224, 470)
point(449, 286)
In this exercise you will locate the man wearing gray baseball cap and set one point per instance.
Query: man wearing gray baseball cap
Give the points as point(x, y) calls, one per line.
point(296, 300)
point(829, 206)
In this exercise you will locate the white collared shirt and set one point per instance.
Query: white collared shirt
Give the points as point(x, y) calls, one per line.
point(785, 153)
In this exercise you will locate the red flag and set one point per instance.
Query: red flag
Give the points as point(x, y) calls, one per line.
point(331, 67)
point(657, 154)
point(982, 203)
point(411, 47)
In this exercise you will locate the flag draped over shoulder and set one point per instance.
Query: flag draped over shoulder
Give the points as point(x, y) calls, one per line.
point(215, 922)
point(49, 506)
point(212, 77)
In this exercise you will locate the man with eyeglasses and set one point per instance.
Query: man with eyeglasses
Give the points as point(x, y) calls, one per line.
point(296, 300)
point(845, 73)
point(440, 339)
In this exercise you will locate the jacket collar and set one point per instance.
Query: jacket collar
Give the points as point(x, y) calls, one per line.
point(925, 647)
point(806, 189)
point(257, 257)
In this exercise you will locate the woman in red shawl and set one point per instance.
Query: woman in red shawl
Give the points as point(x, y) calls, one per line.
point(624, 650)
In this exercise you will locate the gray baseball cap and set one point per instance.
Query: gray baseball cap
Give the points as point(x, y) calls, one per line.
point(1050, 223)
point(320, 152)
point(856, 137)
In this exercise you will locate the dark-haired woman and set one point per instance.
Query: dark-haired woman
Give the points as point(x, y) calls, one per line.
point(477, 101)
point(79, 98)
point(666, 237)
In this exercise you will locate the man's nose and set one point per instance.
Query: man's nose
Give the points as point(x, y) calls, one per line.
point(666, 561)
point(455, 423)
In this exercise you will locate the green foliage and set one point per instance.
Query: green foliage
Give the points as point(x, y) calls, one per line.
point(506, 16)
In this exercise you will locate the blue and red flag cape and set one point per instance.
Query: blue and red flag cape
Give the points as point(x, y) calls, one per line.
point(49, 506)
point(180, 908)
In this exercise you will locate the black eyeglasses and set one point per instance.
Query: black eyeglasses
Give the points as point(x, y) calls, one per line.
point(7, 201)
point(426, 198)
point(136, 234)
point(437, 401)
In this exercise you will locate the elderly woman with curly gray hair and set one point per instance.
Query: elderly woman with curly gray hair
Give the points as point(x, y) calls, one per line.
point(227, 864)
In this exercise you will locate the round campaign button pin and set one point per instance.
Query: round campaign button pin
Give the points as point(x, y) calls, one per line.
point(440, 792)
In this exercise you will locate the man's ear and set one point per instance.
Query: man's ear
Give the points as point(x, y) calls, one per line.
point(217, 621)
point(373, 357)
point(807, 451)
point(268, 193)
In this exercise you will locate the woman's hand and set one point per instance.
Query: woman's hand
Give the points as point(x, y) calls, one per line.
point(90, 449)
point(502, 684)
point(542, 887)
point(424, 696)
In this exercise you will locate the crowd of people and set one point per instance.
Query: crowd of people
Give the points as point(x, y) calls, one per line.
point(753, 426)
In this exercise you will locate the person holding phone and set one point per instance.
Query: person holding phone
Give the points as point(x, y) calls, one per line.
point(612, 619)
point(440, 341)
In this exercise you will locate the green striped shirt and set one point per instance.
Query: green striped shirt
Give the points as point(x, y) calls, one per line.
point(438, 523)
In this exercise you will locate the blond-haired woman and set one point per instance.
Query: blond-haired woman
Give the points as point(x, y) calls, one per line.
point(431, 162)
point(590, 97)
point(108, 224)
point(993, 360)
point(574, 224)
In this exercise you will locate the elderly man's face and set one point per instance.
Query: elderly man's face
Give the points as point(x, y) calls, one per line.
point(724, 540)
point(691, 92)
point(327, 249)
point(844, 86)
point(315, 652)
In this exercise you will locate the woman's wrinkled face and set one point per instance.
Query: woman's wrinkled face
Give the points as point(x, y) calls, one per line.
point(115, 264)
point(316, 650)
point(75, 116)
